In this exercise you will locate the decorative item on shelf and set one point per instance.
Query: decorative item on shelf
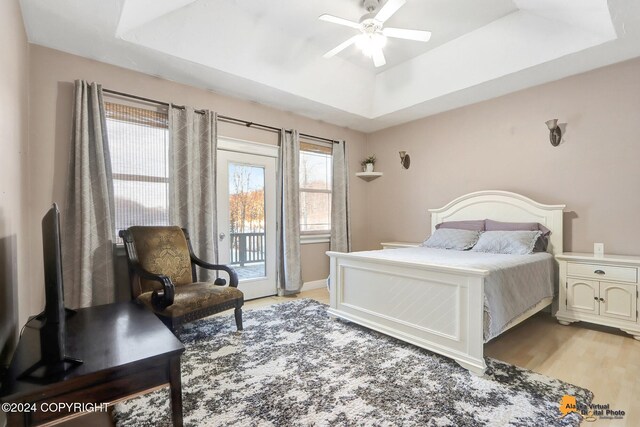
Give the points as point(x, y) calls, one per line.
point(405, 159)
point(368, 163)
point(555, 134)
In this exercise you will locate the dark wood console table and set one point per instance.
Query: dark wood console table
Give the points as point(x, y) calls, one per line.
point(126, 350)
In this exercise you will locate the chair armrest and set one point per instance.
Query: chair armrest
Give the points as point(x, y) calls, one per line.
point(160, 301)
point(233, 276)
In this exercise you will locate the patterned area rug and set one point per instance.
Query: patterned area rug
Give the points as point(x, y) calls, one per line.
point(293, 365)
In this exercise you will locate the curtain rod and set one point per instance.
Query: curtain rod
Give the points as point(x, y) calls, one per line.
point(222, 118)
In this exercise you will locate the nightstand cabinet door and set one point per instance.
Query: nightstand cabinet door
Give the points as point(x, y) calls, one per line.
point(583, 296)
point(618, 301)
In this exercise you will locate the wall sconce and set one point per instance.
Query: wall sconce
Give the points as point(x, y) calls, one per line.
point(555, 134)
point(405, 159)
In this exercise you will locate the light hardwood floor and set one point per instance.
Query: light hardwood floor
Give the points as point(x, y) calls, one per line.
point(601, 359)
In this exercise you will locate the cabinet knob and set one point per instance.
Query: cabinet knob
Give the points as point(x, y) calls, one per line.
point(599, 272)
point(602, 299)
point(595, 298)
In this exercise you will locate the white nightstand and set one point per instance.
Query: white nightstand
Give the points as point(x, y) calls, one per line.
point(395, 245)
point(600, 290)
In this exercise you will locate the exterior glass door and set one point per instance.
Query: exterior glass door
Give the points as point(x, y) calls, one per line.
point(246, 220)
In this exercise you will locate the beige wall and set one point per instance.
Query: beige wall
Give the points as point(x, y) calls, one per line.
point(503, 144)
point(51, 87)
point(497, 144)
point(14, 290)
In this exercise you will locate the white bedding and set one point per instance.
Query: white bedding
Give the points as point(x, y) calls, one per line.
point(515, 283)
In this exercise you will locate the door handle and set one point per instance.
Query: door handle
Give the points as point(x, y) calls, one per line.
point(599, 272)
point(222, 236)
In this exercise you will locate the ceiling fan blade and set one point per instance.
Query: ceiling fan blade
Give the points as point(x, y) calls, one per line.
point(342, 46)
point(378, 57)
point(401, 33)
point(389, 8)
point(339, 21)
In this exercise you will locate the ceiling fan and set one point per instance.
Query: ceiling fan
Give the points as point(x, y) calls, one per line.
point(373, 36)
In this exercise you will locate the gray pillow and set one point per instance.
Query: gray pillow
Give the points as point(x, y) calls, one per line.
point(451, 238)
point(474, 224)
point(491, 225)
point(541, 243)
point(507, 242)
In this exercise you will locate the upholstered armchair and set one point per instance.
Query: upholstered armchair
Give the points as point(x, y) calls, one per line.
point(162, 272)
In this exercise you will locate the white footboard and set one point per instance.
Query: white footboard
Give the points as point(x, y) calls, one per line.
point(434, 307)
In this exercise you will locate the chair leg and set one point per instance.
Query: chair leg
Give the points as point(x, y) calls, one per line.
point(238, 314)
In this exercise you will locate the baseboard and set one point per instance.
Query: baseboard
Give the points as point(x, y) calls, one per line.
point(315, 284)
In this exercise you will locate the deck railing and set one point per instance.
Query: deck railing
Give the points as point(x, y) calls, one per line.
point(247, 248)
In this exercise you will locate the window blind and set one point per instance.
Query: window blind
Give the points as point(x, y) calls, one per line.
point(139, 148)
point(315, 188)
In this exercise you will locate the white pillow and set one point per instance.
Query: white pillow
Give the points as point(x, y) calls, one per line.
point(452, 238)
point(507, 242)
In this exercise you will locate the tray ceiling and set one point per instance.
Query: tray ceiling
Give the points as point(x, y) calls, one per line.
point(271, 52)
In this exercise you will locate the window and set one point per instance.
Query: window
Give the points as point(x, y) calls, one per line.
point(139, 147)
point(315, 189)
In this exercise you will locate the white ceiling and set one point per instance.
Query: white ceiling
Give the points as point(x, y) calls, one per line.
point(271, 51)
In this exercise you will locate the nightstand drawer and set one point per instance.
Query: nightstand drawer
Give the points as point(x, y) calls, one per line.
point(603, 272)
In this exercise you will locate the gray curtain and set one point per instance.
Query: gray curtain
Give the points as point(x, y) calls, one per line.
point(340, 220)
point(89, 210)
point(289, 277)
point(192, 180)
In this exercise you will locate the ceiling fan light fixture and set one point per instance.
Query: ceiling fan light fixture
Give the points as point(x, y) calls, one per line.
point(373, 35)
point(369, 42)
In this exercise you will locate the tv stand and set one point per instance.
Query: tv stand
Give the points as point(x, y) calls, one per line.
point(49, 370)
point(116, 366)
point(54, 360)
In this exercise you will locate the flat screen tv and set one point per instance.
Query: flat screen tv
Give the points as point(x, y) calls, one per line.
point(54, 312)
point(52, 321)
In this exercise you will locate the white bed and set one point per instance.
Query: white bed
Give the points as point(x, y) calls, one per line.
point(447, 310)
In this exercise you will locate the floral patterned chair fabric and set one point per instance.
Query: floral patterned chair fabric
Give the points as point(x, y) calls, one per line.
point(162, 272)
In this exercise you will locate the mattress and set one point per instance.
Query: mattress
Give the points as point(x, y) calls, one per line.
point(515, 284)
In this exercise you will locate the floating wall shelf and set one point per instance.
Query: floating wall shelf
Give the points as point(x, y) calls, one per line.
point(368, 176)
